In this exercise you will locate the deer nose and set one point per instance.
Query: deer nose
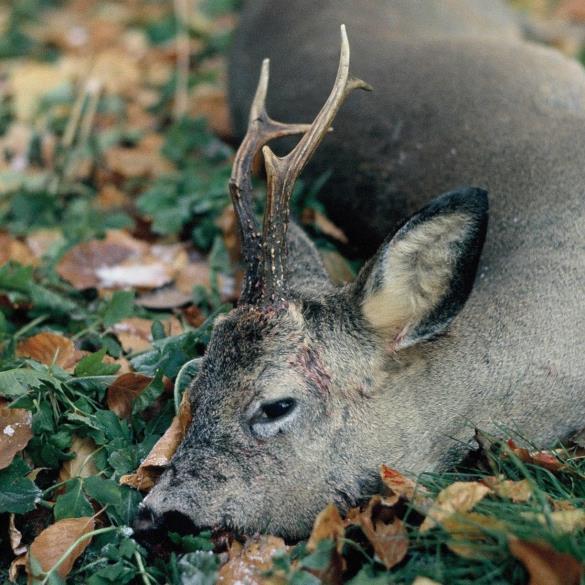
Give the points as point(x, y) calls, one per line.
point(148, 526)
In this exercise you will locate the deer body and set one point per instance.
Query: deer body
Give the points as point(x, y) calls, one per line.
point(306, 388)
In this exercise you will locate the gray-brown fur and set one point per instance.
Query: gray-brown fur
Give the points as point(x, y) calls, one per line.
point(450, 108)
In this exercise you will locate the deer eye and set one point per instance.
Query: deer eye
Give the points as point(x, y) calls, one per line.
point(277, 409)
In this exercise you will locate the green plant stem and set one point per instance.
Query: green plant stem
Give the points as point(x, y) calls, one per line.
point(146, 578)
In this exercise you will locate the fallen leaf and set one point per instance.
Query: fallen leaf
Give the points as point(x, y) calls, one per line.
point(160, 456)
point(15, 537)
point(468, 531)
point(167, 297)
point(517, 491)
point(253, 560)
point(15, 566)
point(135, 335)
point(328, 524)
point(425, 581)
point(406, 488)
point(81, 465)
point(565, 521)
point(546, 459)
point(572, 10)
point(53, 542)
point(15, 433)
point(41, 241)
point(48, 348)
point(385, 532)
point(15, 250)
point(324, 224)
point(124, 390)
point(545, 565)
point(136, 162)
point(460, 496)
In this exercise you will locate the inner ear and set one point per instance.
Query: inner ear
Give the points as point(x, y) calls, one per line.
point(422, 276)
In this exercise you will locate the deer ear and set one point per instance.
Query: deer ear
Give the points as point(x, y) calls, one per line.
point(422, 276)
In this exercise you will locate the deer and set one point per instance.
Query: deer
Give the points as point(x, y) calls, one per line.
point(306, 386)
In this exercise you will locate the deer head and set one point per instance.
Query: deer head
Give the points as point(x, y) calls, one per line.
point(293, 405)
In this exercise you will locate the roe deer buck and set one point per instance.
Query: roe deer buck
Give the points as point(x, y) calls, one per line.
point(306, 387)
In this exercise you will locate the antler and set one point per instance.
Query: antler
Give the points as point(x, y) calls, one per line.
point(282, 172)
point(261, 129)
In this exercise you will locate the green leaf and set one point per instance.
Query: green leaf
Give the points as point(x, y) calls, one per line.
point(199, 567)
point(91, 365)
point(19, 381)
point(73, 503)
point(15, 277)
point(303, 578)
point(104, 491)
point(18, 494)
point(191, 543)
point(320, 559)
point(119, 307)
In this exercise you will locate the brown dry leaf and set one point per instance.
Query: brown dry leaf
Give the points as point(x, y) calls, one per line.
point(119, 261)
point(15, 433)
point(48, 348)
point(324, 224)
point(136, 162)
point(517, 491)
point(406, 488)
point(458, 497)
point(572, 10)
point(546, 459)
point(210, 102)
point(253, 560)
point(124, 390)
point(80, 466)
point(135, 335)
point(15, 566)
point(160, 456)
point(41, 241)
point(385, 531)
point(468, 531)
point(565, 521)
point(52, 543)
point(545, 565)
point(15, 250)
point(328, 524)
point(110, 197)
point(15, 537)
point(167, 297)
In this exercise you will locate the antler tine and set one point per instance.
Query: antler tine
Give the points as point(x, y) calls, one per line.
point(282, 172)
point(261, 129)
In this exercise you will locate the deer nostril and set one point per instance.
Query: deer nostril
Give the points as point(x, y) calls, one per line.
point(178, 522)
point(148, 526)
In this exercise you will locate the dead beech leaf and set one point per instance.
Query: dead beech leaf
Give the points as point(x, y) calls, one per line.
point(124, 390)
point(15, 433)
point(52, 543)
point(468, 530)
point(253, 560)
point(460, 496)
point(135, 335)
point(328, 524)
point(81, 465)
point(324, 224)
point(545, 565)
point(565, 521)
point(15, 537)
point(15, 566)
point(15, 250)
point(385, 532)
point(136, 162)
point(48, 347)
point(517, 491)
point(406, 488)
point(546, 459)
point(160, 456)
point(167, 297)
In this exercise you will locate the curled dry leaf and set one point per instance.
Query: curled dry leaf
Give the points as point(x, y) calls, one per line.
point(565, 521)
point(135, 335)
point(385, 531)
point(53, 542)
point(328, 524)
point(15, 537)
point(460, 496)
point(517, 491)
point(254, 559)
point(82, 465)
point(15, 566)
point(406, 488)
point(545, 565)
point(48, 348)
point(120, 261)
point(124, 390)
point(15, 433)
point(160, 456)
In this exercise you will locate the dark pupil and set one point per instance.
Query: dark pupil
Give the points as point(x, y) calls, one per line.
point(278, 408)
